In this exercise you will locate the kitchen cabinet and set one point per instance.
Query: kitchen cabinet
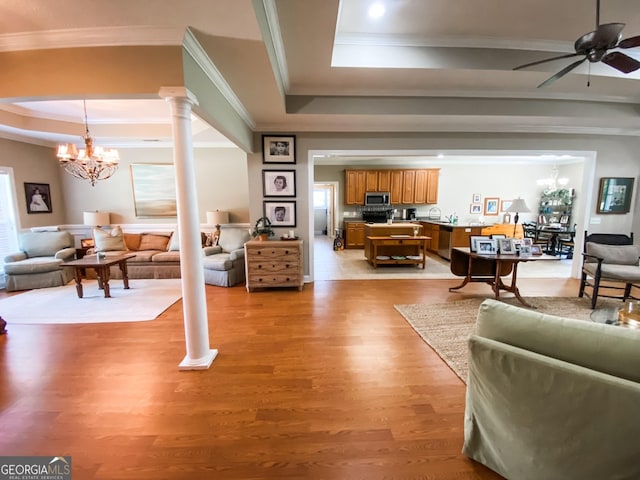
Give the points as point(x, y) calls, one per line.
point(371, 182)
point(408, 187)
point(384, 181)
point(355, 183)
point(396, 187)
point(354, 234)
point(433, 231)
point(433, 177)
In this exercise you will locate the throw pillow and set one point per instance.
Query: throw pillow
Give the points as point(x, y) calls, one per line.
point(174, 244)
point(108, 241)
point(150, 241)
point(132, 241)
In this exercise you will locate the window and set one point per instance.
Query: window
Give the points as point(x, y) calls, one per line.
point(8, 223)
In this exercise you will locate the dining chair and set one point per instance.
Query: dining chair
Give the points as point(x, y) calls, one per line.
point(566, 243)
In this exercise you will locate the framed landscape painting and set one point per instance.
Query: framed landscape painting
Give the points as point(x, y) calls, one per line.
point(154, 189)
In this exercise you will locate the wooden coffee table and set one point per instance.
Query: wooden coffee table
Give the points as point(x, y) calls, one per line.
point(101, 266)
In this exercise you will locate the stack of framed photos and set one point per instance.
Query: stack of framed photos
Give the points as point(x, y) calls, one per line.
point(500, 244)
point(279, 185)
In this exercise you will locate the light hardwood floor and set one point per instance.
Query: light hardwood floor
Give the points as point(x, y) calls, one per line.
point(327, 383)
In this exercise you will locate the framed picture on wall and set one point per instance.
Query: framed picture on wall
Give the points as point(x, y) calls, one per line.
point(281, 214)
point(154, 190)
point(475, 198)
point(278, 149)
point(279, 183)
point(38, 196)
point(475, 208)
point(491, 206)
point(615, 195)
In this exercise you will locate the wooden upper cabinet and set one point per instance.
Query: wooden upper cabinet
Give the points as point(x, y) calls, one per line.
point(408, 186)
point(355, 181)
point(372, 181)
point(384, 181)
point(396, 187)
point(420, 186)
point(433, 176)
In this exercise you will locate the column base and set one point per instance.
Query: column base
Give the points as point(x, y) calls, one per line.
point(201, 363)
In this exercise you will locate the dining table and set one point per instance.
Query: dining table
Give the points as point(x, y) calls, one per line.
point(552, 235)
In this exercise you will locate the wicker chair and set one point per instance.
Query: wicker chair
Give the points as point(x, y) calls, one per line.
point(609, 260)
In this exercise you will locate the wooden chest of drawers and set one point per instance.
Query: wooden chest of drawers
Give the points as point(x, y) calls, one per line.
point(273, 264)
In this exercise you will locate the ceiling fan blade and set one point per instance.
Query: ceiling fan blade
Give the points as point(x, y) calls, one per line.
point(569, 55)
point(621, 62)
point(630, 42)
point(561, 73)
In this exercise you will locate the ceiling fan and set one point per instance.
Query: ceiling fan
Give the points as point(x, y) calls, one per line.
point(595, 46)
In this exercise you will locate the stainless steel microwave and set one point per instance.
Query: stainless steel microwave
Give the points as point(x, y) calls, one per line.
point(376, 198)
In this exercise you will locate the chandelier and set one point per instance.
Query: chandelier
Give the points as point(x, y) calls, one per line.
point(552, 183)
point(90, 163)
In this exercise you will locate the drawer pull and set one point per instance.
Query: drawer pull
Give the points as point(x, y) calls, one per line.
point(286, 252)
point(259, 267)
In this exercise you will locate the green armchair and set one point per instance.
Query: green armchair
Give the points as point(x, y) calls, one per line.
point(37, 264)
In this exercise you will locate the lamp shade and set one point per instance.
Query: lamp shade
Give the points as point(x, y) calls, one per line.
point(217, 218)
point(96, 219)
point(518, 206)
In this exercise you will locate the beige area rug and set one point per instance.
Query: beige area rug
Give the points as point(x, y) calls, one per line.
point(447, 326)
point(144, 300)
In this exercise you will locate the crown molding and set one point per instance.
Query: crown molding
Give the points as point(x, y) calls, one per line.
point(91, 37)
point(193, 47)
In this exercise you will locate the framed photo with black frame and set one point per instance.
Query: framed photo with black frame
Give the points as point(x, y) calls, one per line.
point(615, 195)
point(281, 214)
point(279, 183)
point(38, 197)
point(278, 149)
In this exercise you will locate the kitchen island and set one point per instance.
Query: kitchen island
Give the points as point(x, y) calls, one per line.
point(393, 247)
point(445, 236)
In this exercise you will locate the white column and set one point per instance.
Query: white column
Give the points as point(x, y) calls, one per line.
point(199, 356)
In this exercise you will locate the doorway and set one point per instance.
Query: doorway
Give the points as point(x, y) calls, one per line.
point(324, 209)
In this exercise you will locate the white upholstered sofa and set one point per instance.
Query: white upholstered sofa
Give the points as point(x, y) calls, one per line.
point(552, 398)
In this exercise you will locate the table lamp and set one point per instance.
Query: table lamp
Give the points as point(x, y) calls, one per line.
point(96, 219)
point(518, 205)
point(217, 218)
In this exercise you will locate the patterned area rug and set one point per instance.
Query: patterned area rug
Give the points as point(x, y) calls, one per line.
point(447, 326)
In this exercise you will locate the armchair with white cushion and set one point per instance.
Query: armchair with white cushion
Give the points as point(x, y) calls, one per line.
point(37, 264)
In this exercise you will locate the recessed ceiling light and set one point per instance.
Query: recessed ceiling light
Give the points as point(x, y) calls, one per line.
point(376, 10)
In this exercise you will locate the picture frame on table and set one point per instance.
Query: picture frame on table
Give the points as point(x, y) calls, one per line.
point(281, 214)
point(278, 149)
point(476, 198)
point(527, 241)
point(506, 247)
point(486, 247)
point(279, 183)
point(38, 197)
point(536, 250)
point(491, 205)
point(525, 250)
point(474, 239)
point(475, 208)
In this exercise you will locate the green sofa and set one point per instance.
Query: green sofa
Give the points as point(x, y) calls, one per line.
point(37, 264)
point(552, 398)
